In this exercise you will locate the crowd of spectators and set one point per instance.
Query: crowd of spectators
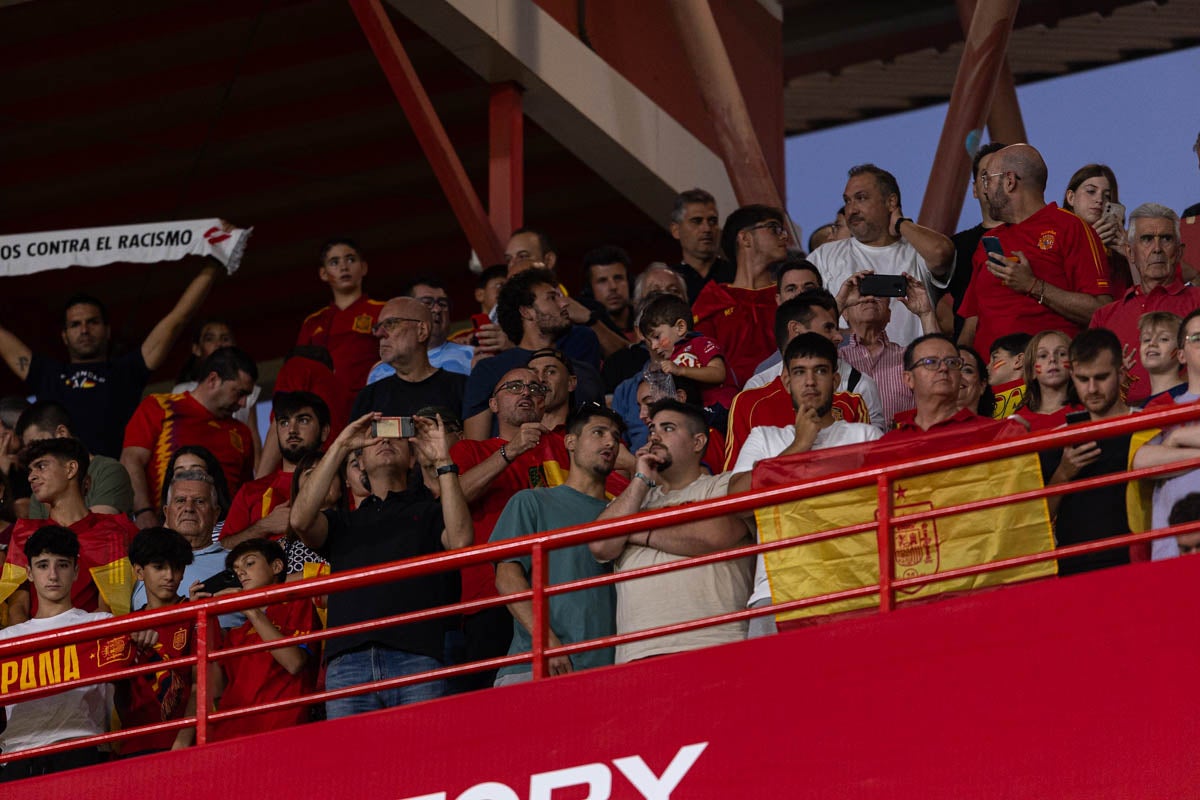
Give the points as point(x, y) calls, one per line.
point(397, 433)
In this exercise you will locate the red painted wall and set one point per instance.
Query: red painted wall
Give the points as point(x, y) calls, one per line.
point(1069, 688)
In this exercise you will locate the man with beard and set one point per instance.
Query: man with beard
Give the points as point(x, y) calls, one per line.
point(669, 473)
point(533, 313)
point(885, 242)
point(606, 287)
point(1053, 274)
point(1097, 513)
point(404, 331)
point(593, 440)
point(204, 416)
point(811, 376)
point(260, 508)
point(697, 227)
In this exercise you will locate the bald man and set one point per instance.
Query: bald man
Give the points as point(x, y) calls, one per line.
point(404, 329)
point(1053, 274)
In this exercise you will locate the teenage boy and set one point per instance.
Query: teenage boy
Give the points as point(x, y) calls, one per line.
point(53, 556)
point(159, 556)
point(1158, 336)
point(268, 675)
point(1006, 373)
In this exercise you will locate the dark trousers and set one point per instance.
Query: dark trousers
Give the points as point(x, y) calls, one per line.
point(44, 765)
point(487, 634)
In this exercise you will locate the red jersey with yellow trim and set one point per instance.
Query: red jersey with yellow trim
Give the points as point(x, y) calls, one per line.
point(159, 696)
point(772, 405)
point(255, 500)
point(103, 545)
point(1062, 249)
point(258, 678)
point(348, 334)
point(165, 422)
point(742, 321)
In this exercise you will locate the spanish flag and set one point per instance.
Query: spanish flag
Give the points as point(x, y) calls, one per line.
point(926, 547)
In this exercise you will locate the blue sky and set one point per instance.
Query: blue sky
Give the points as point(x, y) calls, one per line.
point(1140, 118)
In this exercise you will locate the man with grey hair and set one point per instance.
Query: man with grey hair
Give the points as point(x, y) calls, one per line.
point(192, 510)
point(695, 223)
point(1155, 254)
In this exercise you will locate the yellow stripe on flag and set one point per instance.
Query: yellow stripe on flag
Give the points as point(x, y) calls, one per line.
point(922, 548)
point(115, 582)
point(11, 578)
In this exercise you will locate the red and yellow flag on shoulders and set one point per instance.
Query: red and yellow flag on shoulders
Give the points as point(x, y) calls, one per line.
point(927, 547)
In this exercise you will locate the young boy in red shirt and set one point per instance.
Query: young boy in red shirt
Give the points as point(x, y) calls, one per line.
point(159, 556)
point(269, 675)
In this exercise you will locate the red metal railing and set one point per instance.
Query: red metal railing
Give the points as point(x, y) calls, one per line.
point(539, 545)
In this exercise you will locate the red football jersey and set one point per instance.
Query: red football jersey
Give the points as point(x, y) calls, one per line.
point(300, 374)
point(158, 696)
point(165, 422)
point(258, 678)
point(255, 500)
point(348, 334)
point(103, 539)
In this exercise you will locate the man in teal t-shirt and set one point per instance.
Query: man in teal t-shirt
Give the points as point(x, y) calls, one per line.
point(593, 440)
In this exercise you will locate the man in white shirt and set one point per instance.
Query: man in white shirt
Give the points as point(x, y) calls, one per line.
point(885, 242)
point(53, 553)
point(811, 377)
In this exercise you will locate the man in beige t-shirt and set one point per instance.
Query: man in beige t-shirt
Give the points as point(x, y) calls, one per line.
point(669, 473)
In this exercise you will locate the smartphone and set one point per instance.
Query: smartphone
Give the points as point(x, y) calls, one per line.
point(1116, 211)
point(225, 579)
point(992, 245)
point(883, 286)
point(1076, 417)
point(394, 428)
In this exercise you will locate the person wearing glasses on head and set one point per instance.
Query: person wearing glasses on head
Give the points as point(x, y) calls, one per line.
point(885, 242)
point(1048, 270)
point(933, 370)
point(442, 353)
point(403, 331)
point(740, 316)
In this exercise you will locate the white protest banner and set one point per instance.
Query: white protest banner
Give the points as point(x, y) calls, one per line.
point(27, 253)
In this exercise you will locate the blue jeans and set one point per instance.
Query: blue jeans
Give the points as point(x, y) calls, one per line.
point(376, 663)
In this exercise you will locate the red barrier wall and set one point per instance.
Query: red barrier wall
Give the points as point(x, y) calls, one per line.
point(1066, 688)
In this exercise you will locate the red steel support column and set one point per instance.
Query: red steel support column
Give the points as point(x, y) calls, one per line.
point(538, 578)
point(506, 160)
point(740, 148)
point(428, 129)
point(1004, 120)
point(982, 59)
point(202, 687)
point(885, 543)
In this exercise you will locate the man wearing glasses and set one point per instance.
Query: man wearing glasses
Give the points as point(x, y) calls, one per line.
point(885, 242)
point(740, 316)
point(443, 354)
point(1053, 273)
point(404, 330)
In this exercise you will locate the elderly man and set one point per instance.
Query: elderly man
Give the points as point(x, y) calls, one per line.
point(868, 348)
point(886, 242)
point(1053, 274)
point(697, 227)
point(740, 315)
point(442, 353)
point(1156, 255)
point(404, 331)
point(669, 473)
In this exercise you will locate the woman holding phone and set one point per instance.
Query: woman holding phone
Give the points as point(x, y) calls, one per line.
point(1092, 195)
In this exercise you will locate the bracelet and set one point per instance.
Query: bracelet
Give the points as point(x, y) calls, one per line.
point(504, 454)
point(141, 511)
point(1042, 293)
point(448, 469)
point(899, 222)
point(645, 478)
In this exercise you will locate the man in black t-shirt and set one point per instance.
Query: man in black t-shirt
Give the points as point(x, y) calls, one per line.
point(695, 223)
point(404, 327)
point(396, 521)
point(967, 241)
point(1096, 369)
point(100, 393)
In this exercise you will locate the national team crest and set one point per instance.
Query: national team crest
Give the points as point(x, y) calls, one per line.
point(113, 651)
point(1047, 240)
point(362, 323)
point(917, 549)
point(179, 640)
point(235, 440)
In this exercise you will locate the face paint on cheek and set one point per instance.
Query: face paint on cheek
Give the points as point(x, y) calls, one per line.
point(1037, 369)
point(1066, 363)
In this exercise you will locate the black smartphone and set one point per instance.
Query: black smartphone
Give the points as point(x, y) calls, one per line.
point(225, 579)
point(883, 286)
point(992, 245)
point(394, 428)
point(1076, 417)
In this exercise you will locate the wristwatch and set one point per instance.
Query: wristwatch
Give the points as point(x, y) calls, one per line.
point(447, 469)
point(645, 478)
point(899, 222)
